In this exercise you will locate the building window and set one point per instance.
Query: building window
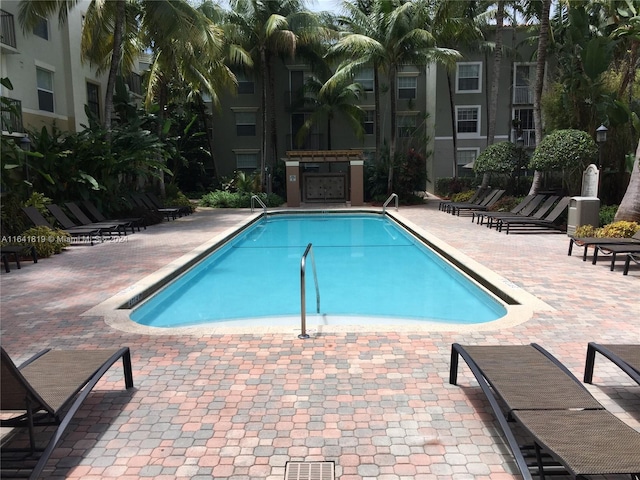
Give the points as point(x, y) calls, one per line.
point(246, 160)
point(523, 125)
point(246, 124)
point(464, 160)
point(369, 121)
point(365, 78)
point(523, 83)
point(468, 120)
point(44, 79)
point(468, 77)
point(406, 125)
point(93, 98)
point(407, 87)
point(41, 29)
point(246, 85)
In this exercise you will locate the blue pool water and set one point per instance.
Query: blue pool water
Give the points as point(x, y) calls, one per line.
point(367, 266)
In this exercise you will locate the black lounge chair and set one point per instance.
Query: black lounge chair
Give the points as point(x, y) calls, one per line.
point(627, 263)
point(83, 233)
point(77, 212)
point(17, 251)
point(156, 202)
point(523, 209)
point(587, 242)
point(625, 356)
point(143, 202)
point(48, 389)
point(98, 216)
point(486, 203)
point(548, 223)
point(539, 213)
point(568, 426)
point(614, 250)
point(67, 223)
point(475, 199)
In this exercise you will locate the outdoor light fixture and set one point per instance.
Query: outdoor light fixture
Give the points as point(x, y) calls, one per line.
point(601, 134)
point(520, 142)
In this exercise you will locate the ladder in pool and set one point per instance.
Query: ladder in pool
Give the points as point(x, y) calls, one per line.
point(303, 302)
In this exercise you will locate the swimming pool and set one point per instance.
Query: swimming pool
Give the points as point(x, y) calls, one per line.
point(367, 266)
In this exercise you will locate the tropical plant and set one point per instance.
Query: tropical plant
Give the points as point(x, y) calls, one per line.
point(630, 205)
point(502, 157)
point(570, 151)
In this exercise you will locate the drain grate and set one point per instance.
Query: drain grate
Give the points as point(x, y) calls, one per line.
point(310, 471)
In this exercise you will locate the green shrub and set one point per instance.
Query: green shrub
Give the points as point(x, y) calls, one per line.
point(224, 199)
point(179, 199)
point(584, 231)
point(607, 214)
point(447, 186)
point(505, 204)
point(463, 196)
point(46, 240)
point(564, 149)
point(502, 157)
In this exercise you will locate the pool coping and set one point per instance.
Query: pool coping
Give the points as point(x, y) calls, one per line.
point(117, 317)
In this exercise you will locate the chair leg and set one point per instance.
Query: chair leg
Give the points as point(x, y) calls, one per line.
point(5, 262)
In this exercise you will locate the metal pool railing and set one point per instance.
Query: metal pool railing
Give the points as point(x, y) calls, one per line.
point(303, 302)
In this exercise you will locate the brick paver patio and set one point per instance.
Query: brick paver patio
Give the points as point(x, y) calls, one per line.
point(238, 406)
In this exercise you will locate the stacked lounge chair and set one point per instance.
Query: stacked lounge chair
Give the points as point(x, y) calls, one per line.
point(528, 224)
point(143, 202)
point(67, 223)
point(98, 216)
point(489, 201)
point(568, 426)
point(83, 233)
point(475, 199)
point(76, 211)
point(525, 208)
point(48, 389)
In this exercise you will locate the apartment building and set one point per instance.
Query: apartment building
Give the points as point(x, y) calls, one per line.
point(424, 108)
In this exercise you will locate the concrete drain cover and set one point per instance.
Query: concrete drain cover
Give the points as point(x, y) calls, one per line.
point(309, 471)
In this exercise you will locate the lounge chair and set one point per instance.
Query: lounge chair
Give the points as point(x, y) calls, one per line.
point(83, 233)
point(67, 223)
point(614, 250)
point(527, 384)
point(627, 263)
point(475, 199)
point(625, 356)
point(143, 202)
point(121, 226)
point(539, 213)
point(156, 202)
point(587, 242)
point(98, 216)
point(486, 204)
point(17, 251)
point(523, 209)
point(48, 389)
point(536, 224)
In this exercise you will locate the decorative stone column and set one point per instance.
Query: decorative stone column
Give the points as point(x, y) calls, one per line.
point(292, 174)
point(357, 182)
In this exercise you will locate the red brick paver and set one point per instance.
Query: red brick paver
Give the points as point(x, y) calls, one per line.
point(239, 406)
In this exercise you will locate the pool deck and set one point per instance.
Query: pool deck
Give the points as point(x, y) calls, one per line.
point(240, 405)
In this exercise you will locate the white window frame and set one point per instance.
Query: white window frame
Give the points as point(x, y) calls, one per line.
point(459, 163)
point(238, 112)
point(517, 89)
point(247, 153)
point(45, 90)
point(475, 134)
point(369, 118)
point(365, 77)
point(414, 87)
point(458, 77)
point(247, 81)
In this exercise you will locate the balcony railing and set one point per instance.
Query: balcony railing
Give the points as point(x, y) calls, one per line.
point(528, 135)
point(522, 95)
point(7, 29)
point(12, 115)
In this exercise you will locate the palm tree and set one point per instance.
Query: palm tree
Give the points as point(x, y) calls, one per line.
point(326, 100)
point(265, 30)
point(394, 37)
point(629, 208)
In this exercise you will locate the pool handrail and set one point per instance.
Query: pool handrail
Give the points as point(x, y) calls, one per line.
point(388, 201)
point(259, 200)
point(303, 301)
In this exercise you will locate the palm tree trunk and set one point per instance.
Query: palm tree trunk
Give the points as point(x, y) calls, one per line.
point(394, 122)
point(115, 65)
point(454, 131)
point(543, 41)
point(329, 132)
point(265, 83)
point(272, 123)
point(629, 208)
point(376, 95)
point(495, 81)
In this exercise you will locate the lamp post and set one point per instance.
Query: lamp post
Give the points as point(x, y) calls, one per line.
point(601, 138)
point(520, 147)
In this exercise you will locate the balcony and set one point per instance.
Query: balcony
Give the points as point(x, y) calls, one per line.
point(528, 135)
point(12, 115)
point(312, 142)
point(7, 31)
point(522, 95)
